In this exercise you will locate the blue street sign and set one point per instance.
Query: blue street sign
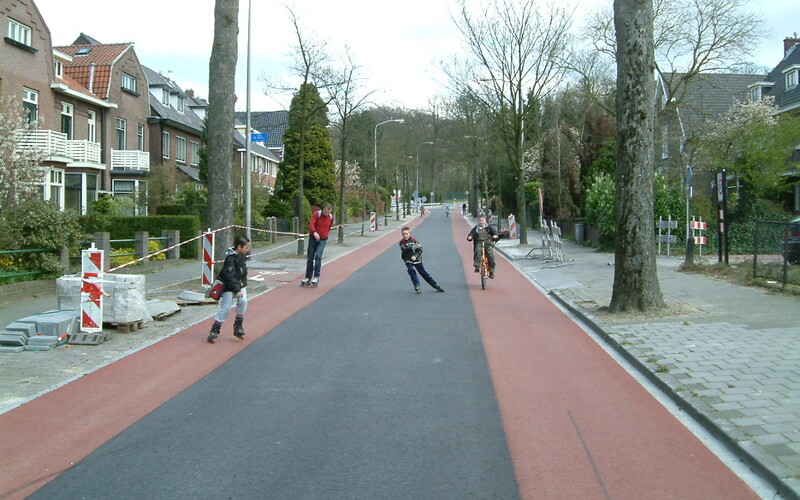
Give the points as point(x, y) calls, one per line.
point(258, 137)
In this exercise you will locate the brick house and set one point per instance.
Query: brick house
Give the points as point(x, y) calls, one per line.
point(69, 114)
point(114, 74)
point(175, 130)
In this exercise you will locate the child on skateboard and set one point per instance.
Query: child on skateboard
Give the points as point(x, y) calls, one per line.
point(411, 253)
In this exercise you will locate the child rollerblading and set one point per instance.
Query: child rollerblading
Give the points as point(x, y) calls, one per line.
point(234, 275)
point(319, 228)
point(411, 253)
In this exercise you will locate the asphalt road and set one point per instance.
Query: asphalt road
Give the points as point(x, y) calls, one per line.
point(372, 391)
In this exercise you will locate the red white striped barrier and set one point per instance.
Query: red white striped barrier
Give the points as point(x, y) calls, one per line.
point(700, 240)
point(698, 225)
point(372, 221)
point(512, 227)
point(208, 258)
point(92, 290)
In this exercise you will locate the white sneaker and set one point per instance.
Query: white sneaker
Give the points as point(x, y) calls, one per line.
point(315, 280)
point(304, 280)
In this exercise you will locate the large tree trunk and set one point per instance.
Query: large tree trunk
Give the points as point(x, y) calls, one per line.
point(222, 100)
point(636, 284)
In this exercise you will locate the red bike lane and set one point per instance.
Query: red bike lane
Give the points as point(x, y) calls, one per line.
point(577, 424)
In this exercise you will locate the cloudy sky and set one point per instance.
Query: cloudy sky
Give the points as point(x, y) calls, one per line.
point(397, 44)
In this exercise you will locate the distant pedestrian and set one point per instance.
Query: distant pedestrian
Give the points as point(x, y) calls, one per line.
point(464, 209)
point(411, 253)
point(319, 229)
point(234, 276)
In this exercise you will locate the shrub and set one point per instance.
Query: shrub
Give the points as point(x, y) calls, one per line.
point(36, 224)
point(600, 208)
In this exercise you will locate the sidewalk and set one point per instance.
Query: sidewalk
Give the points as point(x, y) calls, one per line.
point(728, 355)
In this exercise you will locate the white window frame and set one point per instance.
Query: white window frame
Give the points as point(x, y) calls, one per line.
point(128, 82)
point(165, 145)
point(140, 137)
point(181, 104)
point(91, 126)
point(138, 193)
point(19, 32)
point(68, 110)
point(791, 78)
point(55, 184)
point(180, 149)
point(31, 98)
point(194, 153)
point(122, 134)
point(59, 68)
point(165, 97)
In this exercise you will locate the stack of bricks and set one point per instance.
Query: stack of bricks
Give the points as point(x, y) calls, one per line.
point(123, 299)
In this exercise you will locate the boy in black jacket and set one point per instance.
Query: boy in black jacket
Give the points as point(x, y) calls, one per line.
point(234, 275)
point(411, 253)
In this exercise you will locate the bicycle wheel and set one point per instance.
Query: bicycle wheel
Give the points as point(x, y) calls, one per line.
point(484, 268)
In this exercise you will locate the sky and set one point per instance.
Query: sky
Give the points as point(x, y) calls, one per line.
point(398, 45)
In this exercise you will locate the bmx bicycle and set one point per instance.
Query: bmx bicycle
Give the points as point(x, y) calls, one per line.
point(484, 267)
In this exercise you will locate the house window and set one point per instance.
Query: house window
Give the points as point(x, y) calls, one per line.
point(755, 94)
point(791, 78)
point(30, 103)
point(181, 104)
point(122, 127)
point(80, 191)
point(140, 138)
point(59, 67)
point(91, 126)
point(134, 189)
point(67, 110)
point(165, 97)
point(180, 149)
point(194, 151)
point(19, 32)
point(55, 188)
point(165, 144)
point(128, 82)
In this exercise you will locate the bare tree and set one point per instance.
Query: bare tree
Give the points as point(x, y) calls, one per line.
point(516, 46)
point(347, 97)
point(20, 174)
point(222, 99)
point(636, 284)
point(309, 64)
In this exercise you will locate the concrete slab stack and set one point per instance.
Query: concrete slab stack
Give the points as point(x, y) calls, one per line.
point(123, 304)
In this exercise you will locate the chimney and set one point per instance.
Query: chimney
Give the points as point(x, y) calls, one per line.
point(189, 92)
point(788, 43)
point(91, 77)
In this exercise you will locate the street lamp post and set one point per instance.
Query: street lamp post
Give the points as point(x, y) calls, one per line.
point(375, 155)
point(416, 181)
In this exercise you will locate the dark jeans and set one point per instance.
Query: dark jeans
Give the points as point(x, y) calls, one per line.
point(413, 269)
point(489, 255)
point(314, 256)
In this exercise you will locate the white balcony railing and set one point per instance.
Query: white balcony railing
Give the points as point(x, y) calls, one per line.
point(49, 142)
point(84, 151)
point(130, 160)
point(55, 144)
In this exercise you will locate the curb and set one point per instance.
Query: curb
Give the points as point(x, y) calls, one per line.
point(781, 487)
